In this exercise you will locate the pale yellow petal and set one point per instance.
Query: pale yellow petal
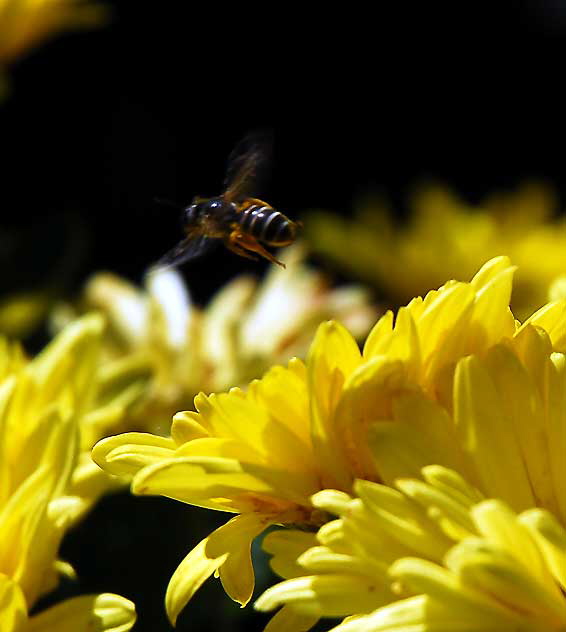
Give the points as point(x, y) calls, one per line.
point(186, 426)
point(332, 500)
point(330, 595)
point(190, 478)
point(444, 587)
point(550, 536)
point(286, 546)
point(126, 454)
point(500, 576)
point(397, 515)
point(423, 614)
point(90, 613)
point(500, 526)
point(287, 620)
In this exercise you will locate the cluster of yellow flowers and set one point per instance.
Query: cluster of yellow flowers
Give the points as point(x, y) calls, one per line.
point(52, 409)
point(246, 327)
point(444, 235)
point(414, 485)
point(131, 361)
point(440, 447)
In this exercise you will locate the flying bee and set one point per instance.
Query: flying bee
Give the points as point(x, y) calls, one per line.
point(243, 223)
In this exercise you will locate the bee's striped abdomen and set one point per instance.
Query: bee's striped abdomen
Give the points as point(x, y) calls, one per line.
point(266, 224)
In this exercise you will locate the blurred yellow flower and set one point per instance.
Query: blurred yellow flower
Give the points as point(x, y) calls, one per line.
point(447, 238)
point(246, 328)
point(22, 312)
point(26, 23)
point(263, 453)
point(47, 406)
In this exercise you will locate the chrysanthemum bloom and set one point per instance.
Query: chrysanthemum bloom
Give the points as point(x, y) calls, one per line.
point(452, 562)
point(246, 328)
point(301, 429)
point(46, 406)
point(445, 237)
point(490, 403)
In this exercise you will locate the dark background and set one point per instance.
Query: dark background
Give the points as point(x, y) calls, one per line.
point(100, 123)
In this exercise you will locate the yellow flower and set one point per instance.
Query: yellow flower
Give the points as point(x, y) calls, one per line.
point(459, 564)
point(21, 313)
point(478, 405)
point(445, 237)
point(246, 328)
point(66, 376)
point(344, 570)
point(512, 577)
point(26, 23)
point(44, 406)
point(263, 453)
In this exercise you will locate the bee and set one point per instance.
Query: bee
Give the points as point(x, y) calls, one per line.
point(243, 223)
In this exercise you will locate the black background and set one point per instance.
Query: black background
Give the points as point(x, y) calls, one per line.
point(100, 123)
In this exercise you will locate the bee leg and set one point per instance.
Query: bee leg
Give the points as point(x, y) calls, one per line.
point(247, 242)
point(233, 246)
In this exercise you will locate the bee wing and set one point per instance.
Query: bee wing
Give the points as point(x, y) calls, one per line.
point(187, 249)
point(248, 165)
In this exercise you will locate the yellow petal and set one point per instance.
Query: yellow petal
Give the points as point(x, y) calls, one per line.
point(484, 431)
point(500, 526)
point(90, 613)
point(331, 500)
point(552, 318)
point(493, 319)
point(502, 577)
point(13, 611)
point(379, 337)
point(237, 573)
point(550, 536)
point(287, 620)
point(126, 454)
point(397, 515)
point(322, 560)
point(451, 515)
point(333, 357)
point(445, 315)
point(286, 545)
point(186, 426)
point(422, 576)
point(329, 595)
point(283, 391)
point(189, 576)
point(366, 397)
point(424, 614)
point(234, 416)
point(190, 478)
point(230, 539)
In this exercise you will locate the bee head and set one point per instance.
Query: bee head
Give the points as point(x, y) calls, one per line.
point(194, 212)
